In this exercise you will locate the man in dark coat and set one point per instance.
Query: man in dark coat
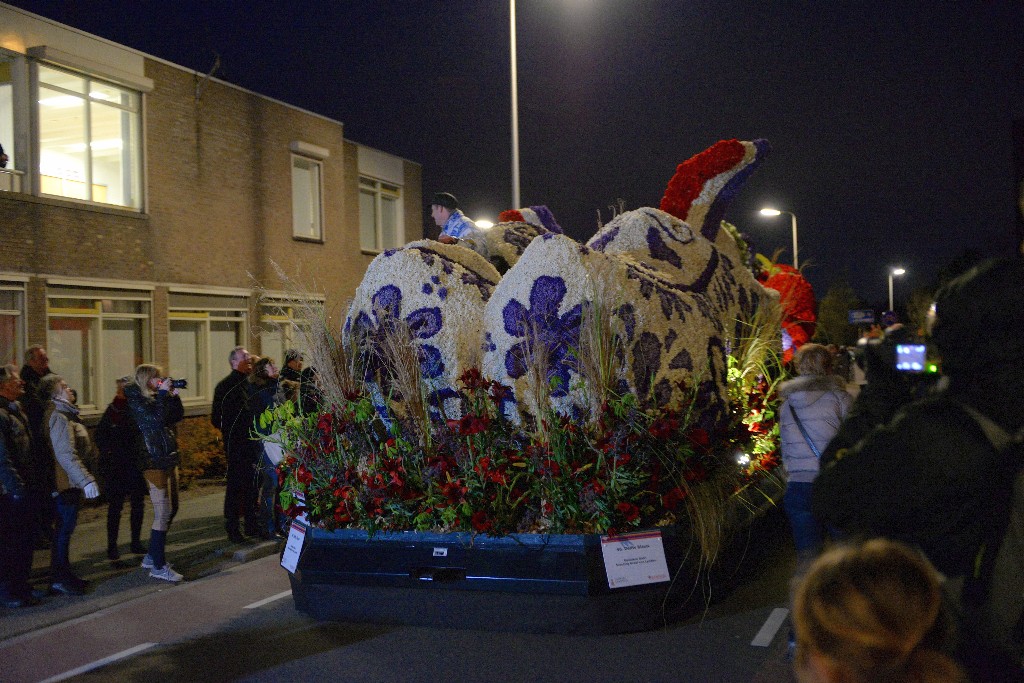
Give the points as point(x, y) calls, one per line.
point(19, 504)
point(940, 474)
point(37, 366)
point(231, 416)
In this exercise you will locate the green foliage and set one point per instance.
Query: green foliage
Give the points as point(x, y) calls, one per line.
point(833, 315)
point(201, 451)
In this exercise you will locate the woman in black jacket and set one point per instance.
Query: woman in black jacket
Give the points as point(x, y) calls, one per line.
point(155, 407)
point(120, 470)
point(262, 394)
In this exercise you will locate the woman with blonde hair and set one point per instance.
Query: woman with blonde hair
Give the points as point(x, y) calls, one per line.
point(69, 446)
point(872, 612)
point(155, 407)
point(815, 403)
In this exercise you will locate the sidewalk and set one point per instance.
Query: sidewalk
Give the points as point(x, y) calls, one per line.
point(197, 546)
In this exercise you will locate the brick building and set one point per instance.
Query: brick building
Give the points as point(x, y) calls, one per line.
point(144, 203)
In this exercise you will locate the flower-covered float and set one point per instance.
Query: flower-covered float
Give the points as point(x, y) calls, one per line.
point(492, 431)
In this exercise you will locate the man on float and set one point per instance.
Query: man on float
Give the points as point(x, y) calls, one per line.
point(444, 209)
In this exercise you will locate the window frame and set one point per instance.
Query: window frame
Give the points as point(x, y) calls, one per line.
point(135, 163)
point(214, 369)
point(318, 164)
point(379, 188)
point(18, 313)
point(101, 389)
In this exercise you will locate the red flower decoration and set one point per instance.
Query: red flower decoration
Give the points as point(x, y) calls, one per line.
point(796, 298)
point(691, 175)
point(673, 498)
point(630, 512)
point(480, 523)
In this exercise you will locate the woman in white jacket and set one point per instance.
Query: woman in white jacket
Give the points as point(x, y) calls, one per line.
point(68, 437)
point(815, 404)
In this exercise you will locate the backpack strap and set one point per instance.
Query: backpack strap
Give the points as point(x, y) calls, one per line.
point(803, 430)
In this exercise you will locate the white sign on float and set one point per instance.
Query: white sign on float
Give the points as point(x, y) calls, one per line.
point(634, 559)
point(290, 556)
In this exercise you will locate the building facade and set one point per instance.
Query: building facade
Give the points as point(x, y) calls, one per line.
point(145, 205)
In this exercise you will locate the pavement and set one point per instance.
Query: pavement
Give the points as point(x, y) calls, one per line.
point(197, 547)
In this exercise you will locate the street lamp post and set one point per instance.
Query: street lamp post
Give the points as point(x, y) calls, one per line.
point(792, 216)
point(515, 106)
point(893, 272)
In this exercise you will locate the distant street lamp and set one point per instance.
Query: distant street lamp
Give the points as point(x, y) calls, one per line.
point(792, 216)
point(515, 105)
point(893, 272)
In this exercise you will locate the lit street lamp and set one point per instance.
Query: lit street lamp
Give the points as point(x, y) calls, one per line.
point(893, 272)
point(792, 216)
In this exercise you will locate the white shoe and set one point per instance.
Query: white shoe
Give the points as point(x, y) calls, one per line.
point(147, 561)
point(167, 574)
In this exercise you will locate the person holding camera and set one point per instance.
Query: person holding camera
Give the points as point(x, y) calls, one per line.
point(68, 442)
point(946, 473)
point(155, 407)
point(120, 469)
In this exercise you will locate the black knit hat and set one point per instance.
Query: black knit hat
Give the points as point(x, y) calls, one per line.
point(446, 200)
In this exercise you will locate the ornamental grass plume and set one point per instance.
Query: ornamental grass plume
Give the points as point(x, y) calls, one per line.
point(399, 375)
point(601, 354)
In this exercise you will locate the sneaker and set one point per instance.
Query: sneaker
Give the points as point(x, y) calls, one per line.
point(66, 588)
point(167, 574)
point(147, 562)
point(113, 554)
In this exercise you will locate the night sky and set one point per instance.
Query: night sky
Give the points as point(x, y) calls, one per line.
point(890, 122)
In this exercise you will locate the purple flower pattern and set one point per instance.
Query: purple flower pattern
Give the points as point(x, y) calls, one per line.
point(541, 324)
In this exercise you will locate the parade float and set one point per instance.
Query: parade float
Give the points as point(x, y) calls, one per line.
point(530, 432)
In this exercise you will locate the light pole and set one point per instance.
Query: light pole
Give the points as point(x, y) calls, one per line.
point(775, 212)
point(515, 106)
point(893, 272)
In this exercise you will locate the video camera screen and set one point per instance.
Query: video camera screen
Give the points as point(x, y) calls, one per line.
point(910, 357)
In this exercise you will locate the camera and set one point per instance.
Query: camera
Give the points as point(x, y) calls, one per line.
point(910, 357)
point(178, 383)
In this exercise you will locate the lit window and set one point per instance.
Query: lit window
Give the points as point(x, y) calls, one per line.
point(89, 139)
point(95, 336)
point(307, 207)
point(203, 331)
point(380, 215)
point(284, 325)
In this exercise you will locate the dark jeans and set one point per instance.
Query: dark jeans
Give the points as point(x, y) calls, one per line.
point(268, 494)
point(66, 505)
point(116, 494)
point(807, 533)
point(240, 495)
point(19, 523)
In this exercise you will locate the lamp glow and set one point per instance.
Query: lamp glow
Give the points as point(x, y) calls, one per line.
point(768, 211)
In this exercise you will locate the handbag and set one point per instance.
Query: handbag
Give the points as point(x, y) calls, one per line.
point(803, 430)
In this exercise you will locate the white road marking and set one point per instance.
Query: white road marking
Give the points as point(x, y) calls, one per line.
point(99, 662)
point(767, 633)
point(266, 601)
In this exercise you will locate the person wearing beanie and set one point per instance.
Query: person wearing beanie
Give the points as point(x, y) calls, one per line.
point(444, 209)
point(946, 473)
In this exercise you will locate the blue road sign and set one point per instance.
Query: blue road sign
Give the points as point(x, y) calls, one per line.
point(862, 317)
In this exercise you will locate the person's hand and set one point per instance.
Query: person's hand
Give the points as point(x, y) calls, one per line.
point(91, 490)
point(164, 385)
point(447, 239)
